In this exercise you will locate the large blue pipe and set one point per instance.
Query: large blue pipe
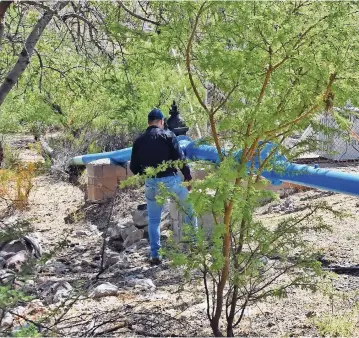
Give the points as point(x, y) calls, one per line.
point(118, 156)
point(313, 177)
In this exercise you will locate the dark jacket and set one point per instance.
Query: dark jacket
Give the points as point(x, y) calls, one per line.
point(154, 147)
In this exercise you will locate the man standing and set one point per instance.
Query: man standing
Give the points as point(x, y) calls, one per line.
point(151, 149)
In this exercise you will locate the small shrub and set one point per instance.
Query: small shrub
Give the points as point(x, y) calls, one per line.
point(337, 325)
point(16, 185)
point(11, 158)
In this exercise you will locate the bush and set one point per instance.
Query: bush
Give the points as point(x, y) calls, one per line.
point(16, 184)
point(338, 325)
point(11, 158)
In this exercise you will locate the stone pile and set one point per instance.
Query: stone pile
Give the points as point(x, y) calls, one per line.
point(125, 236)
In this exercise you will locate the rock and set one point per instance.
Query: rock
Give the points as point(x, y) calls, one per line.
point(54, 292)
point(76, 269)
point(37, 302)
point(79, 248)
point(165, 225)
point(142, 243)
point(2, 262)
point(113, 259)
point(54, 267)
point(165, 235)
point(93, 228)
point(120, 231)
point(310, 314)
point(63, 291)
point(58, 268)
point(7, 320)
point(29, 285)
point(145, 283)
point(145, 233)
point(85, 262)
point(10, 220)
point(140, 217)
point(20, 310)
point(114, 232)
point(126, 230)
point(104, 290)
point(94, 265)
point(117, 244)
point(134, 236)
point(83, 233)
point(15, 261)
point(120, 266)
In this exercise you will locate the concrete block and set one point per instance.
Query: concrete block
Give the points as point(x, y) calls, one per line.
point(109, 170)
point(94, 193)
point(101, 168)
point(106, 183)
point(206, 222)
point(177, 230)
point(121, 173)
point(174, 213)
point(94, 170)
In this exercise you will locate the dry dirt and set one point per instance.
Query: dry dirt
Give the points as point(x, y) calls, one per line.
point(58, 210)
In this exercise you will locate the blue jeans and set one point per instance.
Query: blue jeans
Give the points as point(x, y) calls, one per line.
point(173, 184)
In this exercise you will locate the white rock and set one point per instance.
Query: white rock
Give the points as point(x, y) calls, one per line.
point(104, 290)
point(82, 233)
point(134, 236)
point(7, 320)
point(76, 269)
point(20, 310)
point(54, 292)
point(113, 259)
point(145, 283)
point(79, 248)
point(6, 276)
point(126, 229)
point(140, 217)
point(63, 291)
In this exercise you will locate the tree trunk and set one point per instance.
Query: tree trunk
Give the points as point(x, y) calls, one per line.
point(4, 5)
point(24, 58)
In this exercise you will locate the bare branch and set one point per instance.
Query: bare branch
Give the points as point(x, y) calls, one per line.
point(137, 15)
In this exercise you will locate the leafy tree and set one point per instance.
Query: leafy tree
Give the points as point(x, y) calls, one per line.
point(269, 68)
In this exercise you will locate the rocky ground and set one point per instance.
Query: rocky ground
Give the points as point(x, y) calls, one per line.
point(133, 298)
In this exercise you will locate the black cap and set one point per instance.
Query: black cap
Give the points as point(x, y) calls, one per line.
point(155, 114)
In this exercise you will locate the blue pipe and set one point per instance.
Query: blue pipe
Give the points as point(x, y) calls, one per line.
point(313, 177)
point(118, 156)
point(305, 175)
